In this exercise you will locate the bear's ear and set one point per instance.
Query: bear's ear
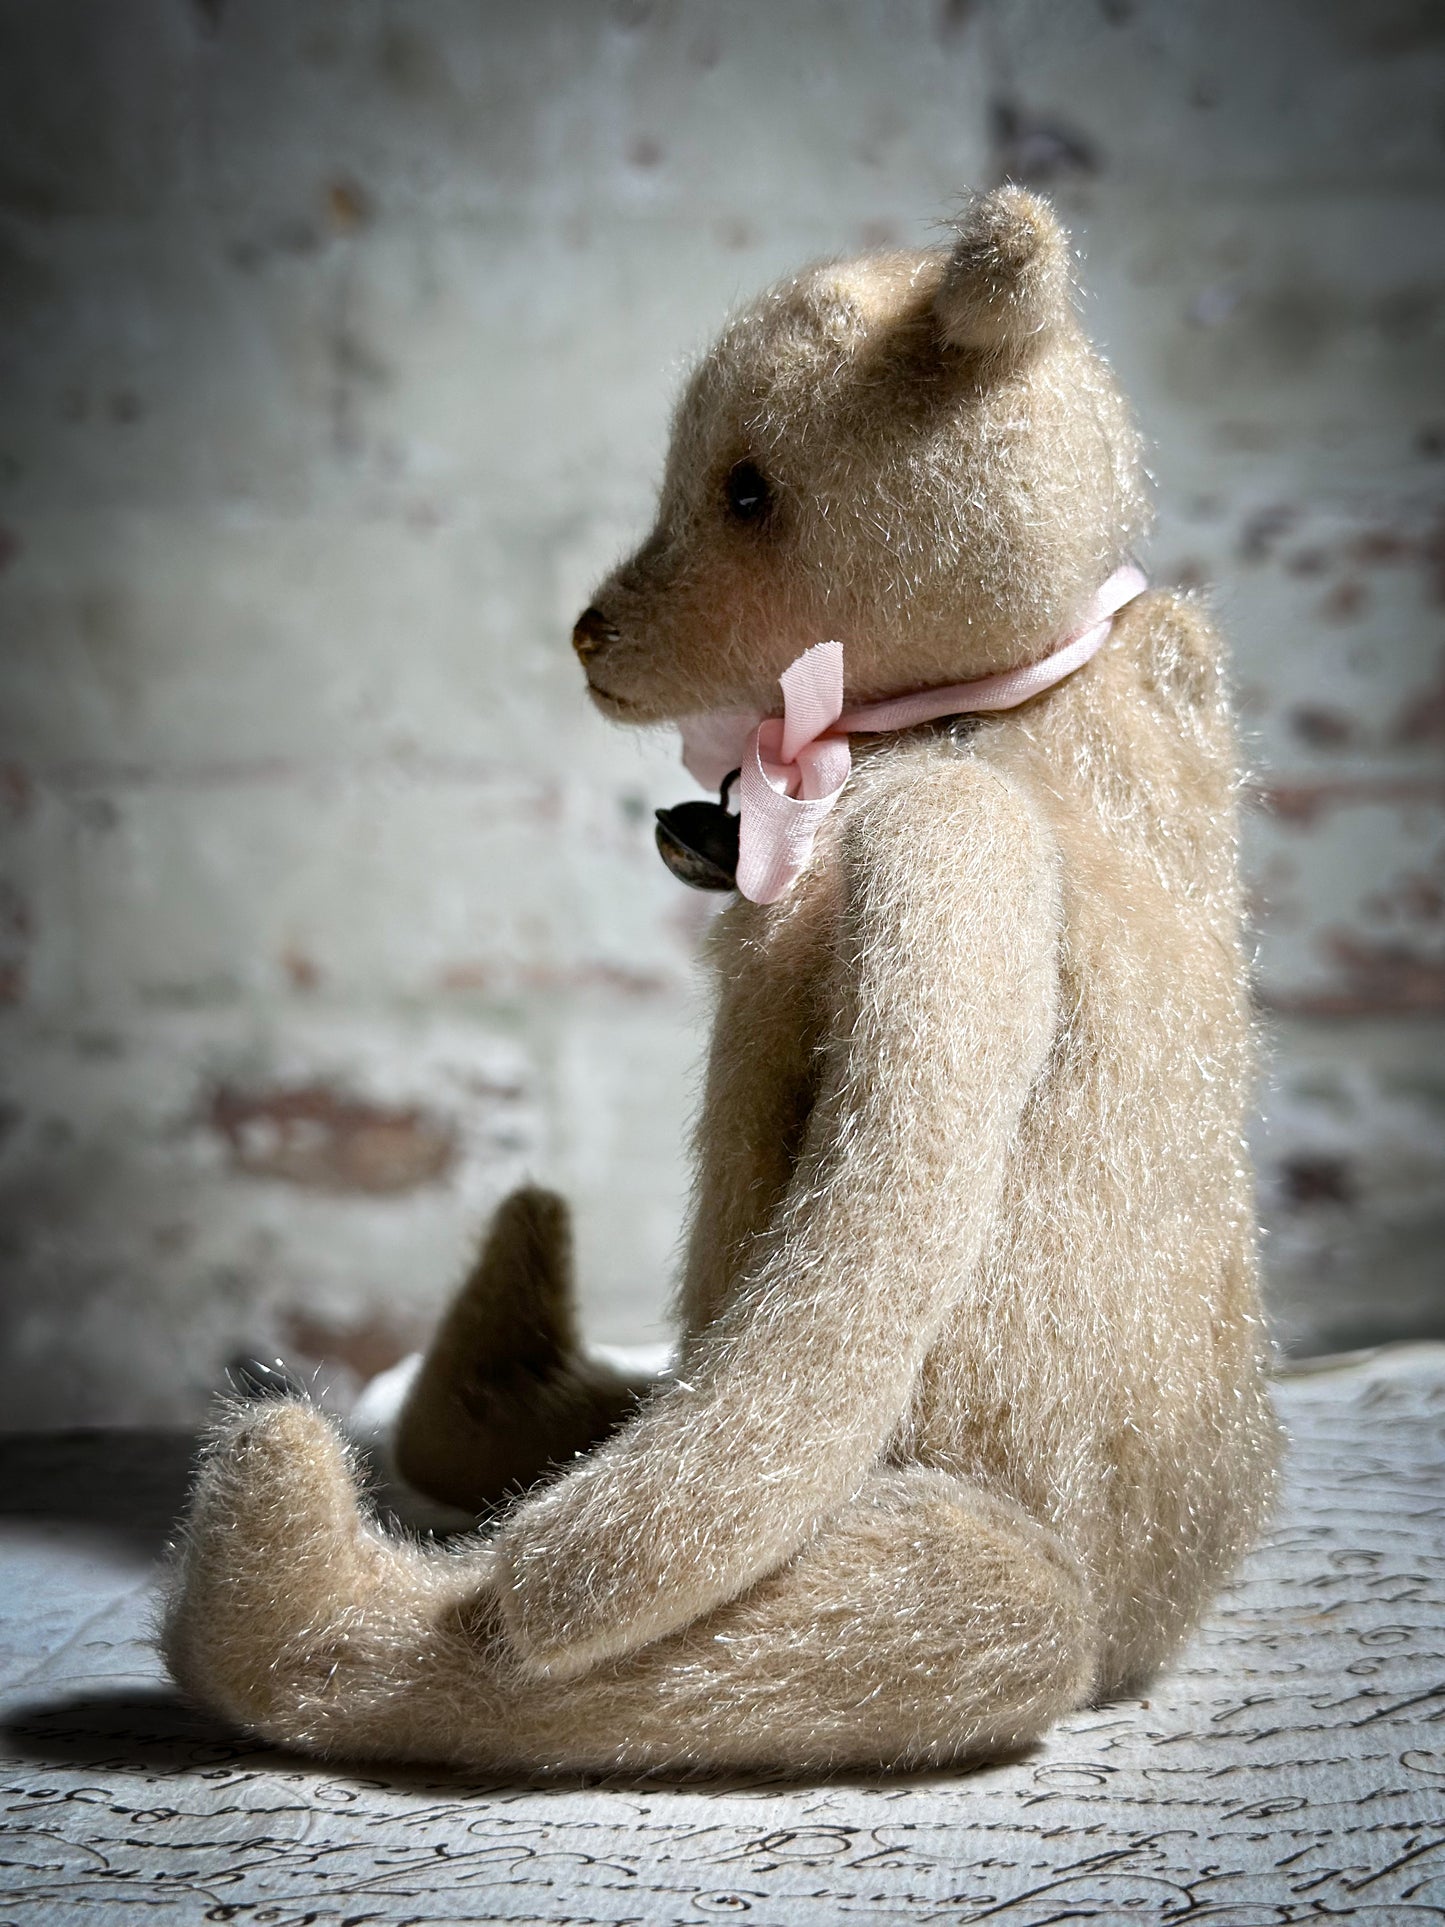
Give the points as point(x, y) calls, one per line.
point(1006, 284)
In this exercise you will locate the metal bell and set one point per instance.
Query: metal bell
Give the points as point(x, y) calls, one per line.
point(699, 842)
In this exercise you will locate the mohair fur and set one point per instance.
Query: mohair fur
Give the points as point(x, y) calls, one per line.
point(970, 1417)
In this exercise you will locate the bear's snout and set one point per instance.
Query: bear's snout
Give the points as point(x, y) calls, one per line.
point(592, 633)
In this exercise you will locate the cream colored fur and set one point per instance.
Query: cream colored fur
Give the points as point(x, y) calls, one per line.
point(969, 1420)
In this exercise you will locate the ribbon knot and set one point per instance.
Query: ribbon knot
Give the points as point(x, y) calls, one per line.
point(792, 774)
point(794, 766)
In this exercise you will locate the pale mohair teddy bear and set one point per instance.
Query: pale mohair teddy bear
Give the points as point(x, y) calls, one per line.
point(969, 1416)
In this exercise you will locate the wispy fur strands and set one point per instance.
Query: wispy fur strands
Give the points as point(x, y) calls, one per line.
point(970, 1417)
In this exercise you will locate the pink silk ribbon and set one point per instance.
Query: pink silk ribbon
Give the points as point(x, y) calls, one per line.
point(794, 766)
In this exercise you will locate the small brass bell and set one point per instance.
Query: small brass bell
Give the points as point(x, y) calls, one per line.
point(699, 842)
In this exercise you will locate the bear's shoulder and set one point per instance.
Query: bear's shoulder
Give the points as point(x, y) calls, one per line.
point(919, 806)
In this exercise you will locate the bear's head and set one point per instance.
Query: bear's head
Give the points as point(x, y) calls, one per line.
point(916, 453)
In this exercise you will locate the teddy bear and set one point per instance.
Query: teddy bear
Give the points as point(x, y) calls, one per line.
point(968, 1418)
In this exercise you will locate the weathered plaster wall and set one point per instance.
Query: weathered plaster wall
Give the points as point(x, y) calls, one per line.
point(338, 343)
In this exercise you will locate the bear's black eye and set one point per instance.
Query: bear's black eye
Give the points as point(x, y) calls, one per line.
point(749, 496)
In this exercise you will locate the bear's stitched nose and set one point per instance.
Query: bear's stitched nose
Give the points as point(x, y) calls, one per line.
point(592, 632)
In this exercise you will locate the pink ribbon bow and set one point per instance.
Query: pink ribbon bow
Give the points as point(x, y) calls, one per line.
point(794, 766)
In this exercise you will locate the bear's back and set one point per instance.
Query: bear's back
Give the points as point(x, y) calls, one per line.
point(1105, 1361)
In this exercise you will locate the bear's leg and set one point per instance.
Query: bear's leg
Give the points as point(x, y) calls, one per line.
point(504, 1391)
point(928, 1621)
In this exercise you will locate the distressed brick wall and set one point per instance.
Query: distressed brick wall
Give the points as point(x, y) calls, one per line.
point(338, 343)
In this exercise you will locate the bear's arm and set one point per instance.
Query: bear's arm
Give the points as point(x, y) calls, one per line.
point(946, 985)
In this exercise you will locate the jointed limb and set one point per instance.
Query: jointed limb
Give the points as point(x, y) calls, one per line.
point(786, 1401)
point(505, 1393)
point(925, 1622)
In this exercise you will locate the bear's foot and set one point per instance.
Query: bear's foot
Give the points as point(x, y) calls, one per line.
point(505, 1392)
point(276, 1579)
